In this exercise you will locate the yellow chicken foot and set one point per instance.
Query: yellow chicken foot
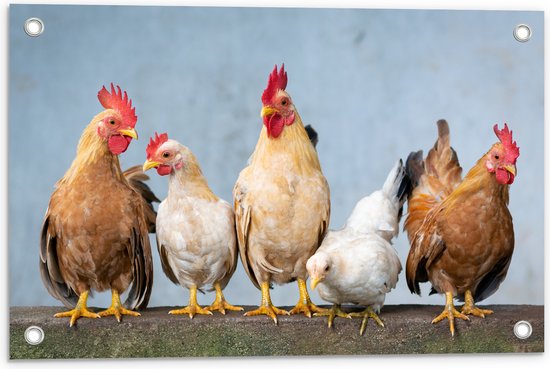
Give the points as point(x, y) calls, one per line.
point(332, 313)
point(305, 305)
point(470, 309)
point(366, 314)
point(80, 310)
point(266, 307)
point(193, 307)
point(450, 313)
point(116, 308)
point(220, 303)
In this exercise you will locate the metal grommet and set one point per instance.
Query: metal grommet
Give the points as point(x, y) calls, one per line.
point(34, 335)
point(523, 329)
point(522, 32)
point(34, 27)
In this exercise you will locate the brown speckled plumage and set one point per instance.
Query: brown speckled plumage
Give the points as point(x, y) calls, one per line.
point(461, 231)
point(95, 231)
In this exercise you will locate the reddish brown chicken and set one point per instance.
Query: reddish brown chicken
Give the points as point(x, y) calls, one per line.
point(461, 231)
point(95, 231)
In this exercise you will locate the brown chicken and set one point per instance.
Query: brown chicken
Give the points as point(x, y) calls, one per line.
point(95, 231)
point(282, 202)
point(461, 231)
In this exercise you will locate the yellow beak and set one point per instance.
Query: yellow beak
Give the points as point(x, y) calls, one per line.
point(511, 169)
point(314, 282)
point(267, 111)
point(150, 164)
point(130, 132)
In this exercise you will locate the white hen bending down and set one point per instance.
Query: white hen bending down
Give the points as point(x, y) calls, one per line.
point(358, 263)
point(196, 236)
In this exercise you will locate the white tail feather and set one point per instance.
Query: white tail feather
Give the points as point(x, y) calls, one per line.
point(394, 179)
point(380, 211)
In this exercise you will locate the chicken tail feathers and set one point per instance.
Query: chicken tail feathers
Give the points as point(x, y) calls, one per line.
point(50, 269)
point(137, 178)
point(398, 186)
point(415, 167)
point(442, 161)
point(142, 283)
point(312, 134)
point(432, 178)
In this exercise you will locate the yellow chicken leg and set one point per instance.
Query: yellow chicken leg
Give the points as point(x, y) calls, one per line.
point(193, 307)
point(332, 313)
point(305, 305)
point(266, 307)
point(469, 307)
point(450, 313)
point(220, 303)
point(366, 314)
point(116, 308)
point(80, 310)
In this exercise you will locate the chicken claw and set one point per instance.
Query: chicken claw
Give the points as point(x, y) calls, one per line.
point(220, 304)
point(450, 313)
point(332, 313)
point(193, 307)
point(192, 310)
point(469, 307)
point(366, 314)
point(267, 308)
point(117, 309)
point(80, 310)
point(305, 305)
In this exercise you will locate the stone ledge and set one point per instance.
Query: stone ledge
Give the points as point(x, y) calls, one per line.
point(158, 334)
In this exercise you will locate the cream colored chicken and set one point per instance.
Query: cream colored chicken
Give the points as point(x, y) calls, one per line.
point(195, 229)
point(358, 264)
point(282, 202)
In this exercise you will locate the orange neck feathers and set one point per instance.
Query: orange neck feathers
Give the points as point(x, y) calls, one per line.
point(92, 153)
point(478, 179)
point(293, 142)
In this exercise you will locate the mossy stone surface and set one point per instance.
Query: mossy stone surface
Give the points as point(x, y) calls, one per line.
point(157, 334)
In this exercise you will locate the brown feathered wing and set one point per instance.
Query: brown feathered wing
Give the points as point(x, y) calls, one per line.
point(138, 248)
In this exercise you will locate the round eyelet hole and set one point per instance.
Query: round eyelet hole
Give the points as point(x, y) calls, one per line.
point(34, 335)
point(34, 27)
point(522, 32)
point(523, 329)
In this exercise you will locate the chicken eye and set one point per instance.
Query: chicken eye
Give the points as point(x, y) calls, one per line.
point(284, 102)
point(497, 157)
point(112, 122)
point(327, 268)
point(165, 154)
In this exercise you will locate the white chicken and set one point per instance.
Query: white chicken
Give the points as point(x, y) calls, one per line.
point(358, 264)
point(196, 236)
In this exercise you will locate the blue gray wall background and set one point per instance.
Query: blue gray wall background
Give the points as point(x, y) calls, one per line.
point(372, 82)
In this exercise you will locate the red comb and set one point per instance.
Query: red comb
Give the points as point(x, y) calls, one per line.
point(276, 81)
point(505, 136)
point(155, 144)
point(114, 100)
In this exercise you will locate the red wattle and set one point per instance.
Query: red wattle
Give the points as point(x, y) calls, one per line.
point(274, 125)
point(118, 144)
point(164, 169)
point(504, 177)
